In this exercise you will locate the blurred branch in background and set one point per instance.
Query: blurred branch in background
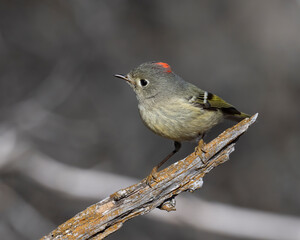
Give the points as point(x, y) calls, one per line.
point(73, 181)
point(92, 185)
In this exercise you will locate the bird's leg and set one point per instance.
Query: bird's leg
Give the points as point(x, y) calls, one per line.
point(153, 173)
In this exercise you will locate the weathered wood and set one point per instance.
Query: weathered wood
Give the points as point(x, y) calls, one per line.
point(103, 218)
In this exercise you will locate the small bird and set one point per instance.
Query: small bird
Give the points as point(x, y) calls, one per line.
point(173, 108)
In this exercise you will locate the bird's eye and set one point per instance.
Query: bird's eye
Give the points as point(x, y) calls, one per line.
point(144, 82)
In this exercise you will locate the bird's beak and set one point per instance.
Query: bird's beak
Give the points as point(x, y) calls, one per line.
point(124, 78)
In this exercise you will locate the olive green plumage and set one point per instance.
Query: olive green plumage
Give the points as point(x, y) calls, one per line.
point(174, 108)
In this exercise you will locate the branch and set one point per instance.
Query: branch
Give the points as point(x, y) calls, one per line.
point(103, 218)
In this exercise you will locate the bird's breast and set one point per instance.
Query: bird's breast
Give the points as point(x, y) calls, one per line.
point(178, 119)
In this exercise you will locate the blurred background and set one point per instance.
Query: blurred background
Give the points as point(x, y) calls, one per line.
point(70, 133)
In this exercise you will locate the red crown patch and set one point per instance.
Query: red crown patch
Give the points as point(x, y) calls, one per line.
point(165, 66)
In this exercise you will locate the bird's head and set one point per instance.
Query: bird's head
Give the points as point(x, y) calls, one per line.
point(150, 79)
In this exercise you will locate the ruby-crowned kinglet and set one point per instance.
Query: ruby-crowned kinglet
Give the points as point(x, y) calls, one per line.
point(174, 108)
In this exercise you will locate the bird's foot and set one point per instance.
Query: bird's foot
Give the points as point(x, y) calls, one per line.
point(152, 177)
point(199, 150)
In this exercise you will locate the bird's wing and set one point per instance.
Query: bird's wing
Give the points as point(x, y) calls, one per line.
point(211, 101)
point(208, 100)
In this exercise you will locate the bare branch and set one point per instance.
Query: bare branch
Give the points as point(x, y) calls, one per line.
point(108, 215)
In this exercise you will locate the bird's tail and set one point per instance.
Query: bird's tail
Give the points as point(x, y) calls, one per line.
point(238, 116)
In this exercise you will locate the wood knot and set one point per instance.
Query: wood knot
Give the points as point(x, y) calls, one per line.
point(168, 205)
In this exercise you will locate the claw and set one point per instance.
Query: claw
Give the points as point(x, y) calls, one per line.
point(152, 177)
point(200, 147)
point(201, 144)
point(200, 150)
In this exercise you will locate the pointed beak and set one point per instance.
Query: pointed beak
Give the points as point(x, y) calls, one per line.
point(123, 77)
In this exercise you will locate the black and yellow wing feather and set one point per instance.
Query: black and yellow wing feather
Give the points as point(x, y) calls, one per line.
point(211, 101)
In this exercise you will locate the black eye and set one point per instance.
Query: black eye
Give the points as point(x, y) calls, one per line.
point(144, 82)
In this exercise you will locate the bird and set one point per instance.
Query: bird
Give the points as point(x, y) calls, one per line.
point(174, 108)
